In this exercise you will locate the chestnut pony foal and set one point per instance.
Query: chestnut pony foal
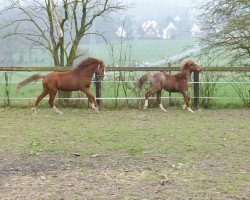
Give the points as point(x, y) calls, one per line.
point(172, 83)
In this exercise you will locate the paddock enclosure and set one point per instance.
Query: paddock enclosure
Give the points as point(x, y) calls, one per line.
point(223, 86)
point(124, 154)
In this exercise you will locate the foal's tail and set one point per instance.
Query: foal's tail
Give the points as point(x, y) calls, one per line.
point(34, 77)
point(143, 79)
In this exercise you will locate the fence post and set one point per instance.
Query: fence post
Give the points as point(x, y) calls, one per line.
point(196, 90)
point(7, 90)
point(98, 90)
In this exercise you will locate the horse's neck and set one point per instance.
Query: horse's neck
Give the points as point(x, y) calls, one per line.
point(186, 73)
point(91, 69)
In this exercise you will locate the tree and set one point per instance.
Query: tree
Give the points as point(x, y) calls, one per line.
point(56, 26)
point(226, 24)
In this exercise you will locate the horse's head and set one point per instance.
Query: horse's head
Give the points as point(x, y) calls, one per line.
point(100, 71)
point(192, 66)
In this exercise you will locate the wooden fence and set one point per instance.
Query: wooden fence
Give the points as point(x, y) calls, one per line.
point(98, 85)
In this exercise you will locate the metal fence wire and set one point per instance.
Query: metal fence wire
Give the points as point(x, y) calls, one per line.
point(121, 84)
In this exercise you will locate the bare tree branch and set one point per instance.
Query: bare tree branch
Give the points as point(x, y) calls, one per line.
point(56, 26)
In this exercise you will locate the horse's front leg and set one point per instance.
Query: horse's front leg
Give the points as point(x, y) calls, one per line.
point(186, 100)
point(92, 100)
point(159, 101)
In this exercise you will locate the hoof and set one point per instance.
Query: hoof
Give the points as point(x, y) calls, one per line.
point(97, 111)
point(34, 110)
point(190, 110)
point(56, 110)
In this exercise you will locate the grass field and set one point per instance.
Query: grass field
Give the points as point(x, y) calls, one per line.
point(142, 50)
point(124, 154)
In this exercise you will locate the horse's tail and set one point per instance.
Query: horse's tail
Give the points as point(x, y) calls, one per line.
point(143, 79)
point(34, 77)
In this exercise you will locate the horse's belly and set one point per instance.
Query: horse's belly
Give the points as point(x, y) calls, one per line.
point(68, 86)
point(171, 89)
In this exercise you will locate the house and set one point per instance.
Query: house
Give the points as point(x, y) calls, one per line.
point(121, 32)
point(195, 29)
point(169, 31)
point(177, 19)
point(151, 29)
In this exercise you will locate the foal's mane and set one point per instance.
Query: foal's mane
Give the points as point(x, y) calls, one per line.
point(88, 61)
point(187, 64)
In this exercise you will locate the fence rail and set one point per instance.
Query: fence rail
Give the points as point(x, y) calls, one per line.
point(98, 85)
point(131, 69)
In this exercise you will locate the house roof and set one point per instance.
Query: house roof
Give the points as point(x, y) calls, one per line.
point(170, 26)
point(195, 28)
point(150, 24)
point(177, 18)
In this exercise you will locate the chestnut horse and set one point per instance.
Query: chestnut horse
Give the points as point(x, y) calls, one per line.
point(172, 83)
point(79, 78)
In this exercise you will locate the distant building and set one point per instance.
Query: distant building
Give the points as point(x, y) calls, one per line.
point(177, 19)
point(121, 32)
point(151, 29)
point(169, 31)
point(195, 29)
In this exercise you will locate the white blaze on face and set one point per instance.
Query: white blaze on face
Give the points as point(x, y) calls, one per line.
point(104, 77)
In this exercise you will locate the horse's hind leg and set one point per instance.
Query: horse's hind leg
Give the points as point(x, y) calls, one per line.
point(39, 98)
point(186, 100)
point(147, 95)
point(159, 101)
point(52, 96)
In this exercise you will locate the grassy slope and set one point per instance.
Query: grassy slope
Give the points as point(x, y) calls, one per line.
point(143, 50)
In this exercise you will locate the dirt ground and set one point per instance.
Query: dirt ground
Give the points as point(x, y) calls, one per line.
point(120, 175)
point(98, 177)
point(64, 177)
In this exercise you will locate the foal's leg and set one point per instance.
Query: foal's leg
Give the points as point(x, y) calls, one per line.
point(39, 98)
point(92, 100)
point(186, 100)
point(147, 95)
point(159, 101)
point(52, 96)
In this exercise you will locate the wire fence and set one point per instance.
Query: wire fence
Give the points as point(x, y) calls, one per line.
point(239, 85)
point(246, 84)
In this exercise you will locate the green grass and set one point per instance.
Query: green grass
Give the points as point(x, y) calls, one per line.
point(204, 133)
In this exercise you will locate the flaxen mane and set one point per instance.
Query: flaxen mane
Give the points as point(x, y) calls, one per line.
point(186, 64)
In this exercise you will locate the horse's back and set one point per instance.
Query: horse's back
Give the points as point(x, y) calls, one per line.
point(64, 81)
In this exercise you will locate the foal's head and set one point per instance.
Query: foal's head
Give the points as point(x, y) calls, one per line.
point(192, 66)
point(100, 71)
